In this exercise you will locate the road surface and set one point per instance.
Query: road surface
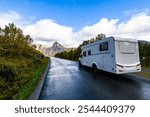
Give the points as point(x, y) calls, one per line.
point(66, 81)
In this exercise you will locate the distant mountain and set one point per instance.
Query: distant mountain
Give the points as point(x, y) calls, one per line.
point(56, 48)
point(51, 51)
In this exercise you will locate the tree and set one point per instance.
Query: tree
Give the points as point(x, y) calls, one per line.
point(144, 50)
point(13, 43)
point(100, 36)
point(74, 54)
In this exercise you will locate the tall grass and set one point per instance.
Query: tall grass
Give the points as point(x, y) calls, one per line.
point(27, 89)
point(18, 77)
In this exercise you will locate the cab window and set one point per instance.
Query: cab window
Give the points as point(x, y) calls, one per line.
point(103, 46)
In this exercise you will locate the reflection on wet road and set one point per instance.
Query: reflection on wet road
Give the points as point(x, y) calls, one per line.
point(66, 81)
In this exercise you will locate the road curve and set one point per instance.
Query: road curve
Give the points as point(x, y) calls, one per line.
point(66, 81)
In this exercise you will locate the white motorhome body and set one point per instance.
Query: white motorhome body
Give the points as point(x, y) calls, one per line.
point(112, 54)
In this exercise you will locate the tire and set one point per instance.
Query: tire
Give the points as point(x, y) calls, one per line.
point(94, 67)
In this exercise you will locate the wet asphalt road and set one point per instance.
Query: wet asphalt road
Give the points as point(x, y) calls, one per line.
point(66, 81)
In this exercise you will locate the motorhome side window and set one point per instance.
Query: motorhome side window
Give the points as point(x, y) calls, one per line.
point(84, 53)
point(89, 52)
point(103, 46)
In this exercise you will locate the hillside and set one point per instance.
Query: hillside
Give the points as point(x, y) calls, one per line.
point(20, 64)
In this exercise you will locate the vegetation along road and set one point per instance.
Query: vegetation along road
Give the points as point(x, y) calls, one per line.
point(65, 80)
point(21, 65)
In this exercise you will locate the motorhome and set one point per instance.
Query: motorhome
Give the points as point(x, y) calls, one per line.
point(112, 54)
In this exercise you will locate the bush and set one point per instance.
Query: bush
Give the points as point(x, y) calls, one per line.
point(8, 72)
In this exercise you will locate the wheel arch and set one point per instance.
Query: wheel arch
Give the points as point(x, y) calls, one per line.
point(94, 63)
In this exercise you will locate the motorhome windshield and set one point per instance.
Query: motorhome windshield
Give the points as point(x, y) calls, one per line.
point(127, 47)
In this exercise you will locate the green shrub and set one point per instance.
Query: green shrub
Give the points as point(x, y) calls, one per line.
point(8, 71)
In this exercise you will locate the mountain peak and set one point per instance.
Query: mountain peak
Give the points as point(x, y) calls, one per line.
point(56, 44)
point(54, 49)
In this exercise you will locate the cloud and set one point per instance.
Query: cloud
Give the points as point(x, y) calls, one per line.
point(133, 12)
point(138, 26)
point(9, 17)
point(46, 31)
point(103, 26)
point(130, 12)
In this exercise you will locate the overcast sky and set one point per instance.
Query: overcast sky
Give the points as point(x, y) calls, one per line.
point(72, 21)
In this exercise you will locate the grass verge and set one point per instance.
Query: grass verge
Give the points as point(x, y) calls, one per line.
point(144, 73)
point(28, 88)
